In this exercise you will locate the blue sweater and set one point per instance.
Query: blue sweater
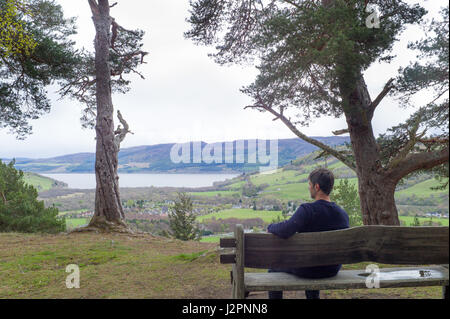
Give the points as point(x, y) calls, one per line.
point(312, 217)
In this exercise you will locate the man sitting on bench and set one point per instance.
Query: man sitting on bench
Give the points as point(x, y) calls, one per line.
point(321, 215)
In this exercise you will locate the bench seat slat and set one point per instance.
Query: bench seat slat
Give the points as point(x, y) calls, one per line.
point(349, 279)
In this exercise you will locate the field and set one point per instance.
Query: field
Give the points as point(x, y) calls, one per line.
point(291, 184)
point(214, 193)
point(422, 189)
point(140, 266)
point(279, 177)
point(409, 220)
point(41, 183)
point(242, 213)
point(295, 191)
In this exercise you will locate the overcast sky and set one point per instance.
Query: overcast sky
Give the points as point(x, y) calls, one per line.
point(185, 95)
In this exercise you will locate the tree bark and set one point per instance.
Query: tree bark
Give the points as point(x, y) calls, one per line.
point(376, 190)
point(109, 214)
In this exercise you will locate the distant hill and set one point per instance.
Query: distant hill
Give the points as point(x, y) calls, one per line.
point(156, 158)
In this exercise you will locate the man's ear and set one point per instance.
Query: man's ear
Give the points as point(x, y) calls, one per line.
point(317, 187)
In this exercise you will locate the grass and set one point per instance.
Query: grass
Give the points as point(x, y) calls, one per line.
point(141, 266)
point(409, 220)
point(214, 193)
point(242, 213)
point(286, 185)
point(111, 266)
point(296, 191)
point(72, 223)
point(236, 185)
point(210, 239)
point(277, 178)
point(422, 189)
point(292, 191)
point(41, 183)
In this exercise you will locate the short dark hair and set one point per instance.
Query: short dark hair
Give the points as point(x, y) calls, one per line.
point(324, 178)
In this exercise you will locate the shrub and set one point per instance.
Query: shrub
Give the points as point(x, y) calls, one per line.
point(346, 195)
point(182, 219)
point(20, 211)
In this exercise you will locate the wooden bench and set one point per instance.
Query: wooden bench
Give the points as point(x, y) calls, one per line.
point(378, 244)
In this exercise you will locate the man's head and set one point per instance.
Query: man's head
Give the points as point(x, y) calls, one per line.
point(321, 182)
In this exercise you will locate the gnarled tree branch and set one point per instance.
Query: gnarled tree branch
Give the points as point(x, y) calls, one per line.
point(94, 7)
point(291, 126)
point(340, 132)
point(387, 88)
point(417, 161)
point(403, 152)
point(121, 133)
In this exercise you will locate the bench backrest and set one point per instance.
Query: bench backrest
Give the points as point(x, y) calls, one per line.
point(380, 244)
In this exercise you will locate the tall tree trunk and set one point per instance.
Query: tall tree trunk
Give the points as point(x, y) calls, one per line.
point(109, 213)
point(376, 190)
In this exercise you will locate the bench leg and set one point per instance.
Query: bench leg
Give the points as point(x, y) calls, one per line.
point(233, 290)
point(237, 292)
point(445, 292)
point(238, 289)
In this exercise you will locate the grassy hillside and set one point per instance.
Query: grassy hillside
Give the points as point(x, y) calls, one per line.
point(214, 193)
point(41, 183)
point(290, 183)
point(242, 213)
point(122, 266)
point(423, 189)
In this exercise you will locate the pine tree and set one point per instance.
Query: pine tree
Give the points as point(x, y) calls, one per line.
point(14, 39)
point(117, 53)
point(49, 57)
point(311, 58)
point(36, 51)
point(20, 211)
point(182, 218)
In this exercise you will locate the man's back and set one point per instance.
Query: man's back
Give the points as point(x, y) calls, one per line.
point(313, 217)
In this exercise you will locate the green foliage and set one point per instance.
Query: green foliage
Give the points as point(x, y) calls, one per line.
point(249, 190)
point(345, 195)
point(416, 221)
point(190, 257)
point(14, 40)
point(20, 211)
point(284, 215)
point(310, 55)
point(182, 218)
point(427, 128)
point(140, 203)
point(25, 73)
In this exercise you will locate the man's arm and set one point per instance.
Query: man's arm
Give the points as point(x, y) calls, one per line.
point(296, 223)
